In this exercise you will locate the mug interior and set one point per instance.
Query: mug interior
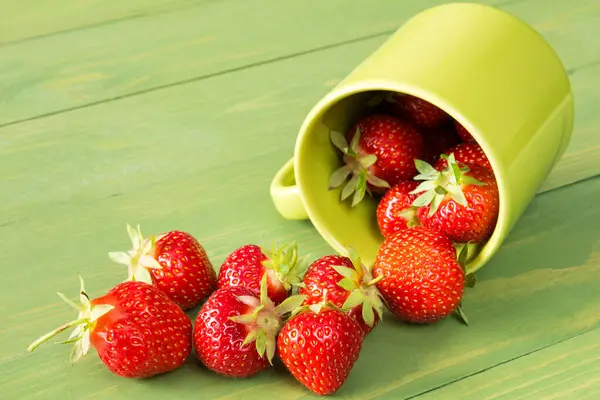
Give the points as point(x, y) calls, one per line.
point(340, 224)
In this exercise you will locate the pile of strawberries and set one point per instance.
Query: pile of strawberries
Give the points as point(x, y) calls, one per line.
point(436, 194)
point(261, 304)
point(390, 150)
point(268, 304)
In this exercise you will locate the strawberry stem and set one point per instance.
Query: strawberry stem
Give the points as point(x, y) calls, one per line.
point(374, 281)
point(55, 332)
point(86, 321)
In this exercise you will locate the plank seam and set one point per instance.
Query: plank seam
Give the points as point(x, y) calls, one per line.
point(201, 77)
point(273, 60)
point(567, 185)
point(98, 24)
point(148, 14)
point(491, 367)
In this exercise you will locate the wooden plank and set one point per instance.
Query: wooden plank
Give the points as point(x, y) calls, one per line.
point(45, 84)
point(63, 72)
point(523, 302)
point(580, 160)
point(58, 73)
point(28, 19)
point(567, 370)
point(278, 94)
point(186, 158)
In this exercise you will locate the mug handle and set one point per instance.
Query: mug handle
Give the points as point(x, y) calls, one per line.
point(286, 194)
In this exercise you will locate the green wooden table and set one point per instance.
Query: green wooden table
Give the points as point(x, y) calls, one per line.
point(176, 114)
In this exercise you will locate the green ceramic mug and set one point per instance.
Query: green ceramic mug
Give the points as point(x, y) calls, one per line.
point(488, 70)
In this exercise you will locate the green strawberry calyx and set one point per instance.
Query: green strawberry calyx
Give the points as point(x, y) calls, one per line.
point(357, 166)
point(316, 308)
point(84, 324)
point(284, 265)
point(265, 320)
point(437, 185)
point(361, 284)
point(140, 259)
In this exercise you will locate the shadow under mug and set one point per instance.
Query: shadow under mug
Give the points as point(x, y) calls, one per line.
point(488, 70)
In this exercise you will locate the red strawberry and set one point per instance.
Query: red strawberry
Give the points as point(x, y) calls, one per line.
point(236, 329)
point(469, 154)
point(319, 346)
point(137, 331)
point(346, 283)
point(381, 153)
point(175, 262)
point(438, 141)
point(461, 202)
point(395, 210)
point(463, 133)
point(420, 112)
point(422, 280)
point(247, 265)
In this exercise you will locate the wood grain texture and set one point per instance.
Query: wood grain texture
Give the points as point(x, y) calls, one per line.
point(264, 105)
point(172, 48)
point(567, 370)
point(76, 74)
point(28, 19)
point(524, 301)
point(199, 156)
point(59, 73)
point(204, 164)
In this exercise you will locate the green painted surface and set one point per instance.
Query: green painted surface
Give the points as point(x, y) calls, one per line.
point(566, 370)
point(199, 156)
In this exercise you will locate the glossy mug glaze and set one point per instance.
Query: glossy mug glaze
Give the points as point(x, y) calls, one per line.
point(488, 70)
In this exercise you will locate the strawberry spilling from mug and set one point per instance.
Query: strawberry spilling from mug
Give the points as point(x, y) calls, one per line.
point(469, 154)
point(464, 134)
point(378, 152)
point(460, 201)
point(395, 211)
point(418, 111)
point(421, 280)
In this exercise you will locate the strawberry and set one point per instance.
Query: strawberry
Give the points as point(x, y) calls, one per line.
point(422, 282)
point(469, 154)
point(175, 262)
point(246, 266)
point(319, 345)
point(463, 132)
point(347, 284)
point(381, 153)
point(236, 329)
point(437, 142)
point(459, 201)
point(418, 111)
point(137, 331)
point(395, 210)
